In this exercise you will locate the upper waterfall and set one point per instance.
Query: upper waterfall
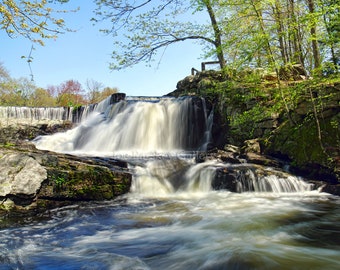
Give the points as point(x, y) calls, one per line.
point(36, 113)
point(137, 125)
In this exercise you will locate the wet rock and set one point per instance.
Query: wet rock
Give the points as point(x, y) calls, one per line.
point(21, 176)
point(229, 155)
point(15, 133)
point(332, 189)
point(225, 179)
point(263, 160)
point(33, 179)
point(253, 177)
point(252, 146)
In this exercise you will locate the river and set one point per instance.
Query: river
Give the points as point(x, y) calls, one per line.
point(183, 230)
point(172, 218)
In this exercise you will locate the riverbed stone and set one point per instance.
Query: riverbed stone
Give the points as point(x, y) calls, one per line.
point(20, 174)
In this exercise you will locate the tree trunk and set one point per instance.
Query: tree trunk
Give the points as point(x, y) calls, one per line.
point(331, 42)
point(217, 34)
point(315, 46)
point(277, 11)
point(295, 36)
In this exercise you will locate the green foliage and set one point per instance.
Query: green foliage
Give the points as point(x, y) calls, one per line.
point(35, 20)
point(141, 30)
point(264, 34)
point(254, 110)
point(245, 124)
point(59, 181)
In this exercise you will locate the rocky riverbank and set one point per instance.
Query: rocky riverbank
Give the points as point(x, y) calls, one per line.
point(297, 122)
point(32, 180)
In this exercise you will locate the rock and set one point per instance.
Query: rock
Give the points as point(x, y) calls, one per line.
point(229, 155)
point(20, 175)
point(263, 160)
point(293, 72)
point(194, 84)
point(32, 180)
point(232, 148)
point(252, 146)
point(15, 133)
point(225, 179)
point(272, 77)
point(332, 189)
point(247, 177)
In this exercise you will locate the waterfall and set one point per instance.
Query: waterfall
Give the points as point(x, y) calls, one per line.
point(274, 182)
point(163, 177)
point(83, 112)
point(135, 126)
point(145, 128)
point(36, 114)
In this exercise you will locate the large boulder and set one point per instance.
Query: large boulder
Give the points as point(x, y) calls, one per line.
point(21, 176)
point(33, 180)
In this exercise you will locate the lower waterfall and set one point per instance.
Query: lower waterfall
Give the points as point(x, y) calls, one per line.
point(163, 177)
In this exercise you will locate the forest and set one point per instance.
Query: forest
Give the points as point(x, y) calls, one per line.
point(24, 92)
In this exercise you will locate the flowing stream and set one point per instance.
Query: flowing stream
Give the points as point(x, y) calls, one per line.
point(172, 217)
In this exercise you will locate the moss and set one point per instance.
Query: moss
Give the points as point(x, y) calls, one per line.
point(122, 184)
point(301, 143)
point(85, 182)
point(283, 118)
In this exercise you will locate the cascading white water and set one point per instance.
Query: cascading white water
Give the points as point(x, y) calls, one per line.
point(161, 126)
point(164, 177)
point(133, 127)
point(36, 113)
point(271, 183)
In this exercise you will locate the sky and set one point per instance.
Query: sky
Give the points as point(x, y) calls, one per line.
point(85, 55)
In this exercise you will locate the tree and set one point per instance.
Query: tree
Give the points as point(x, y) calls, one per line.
point(313, 32)
point(4, 74)
point(42, 98)
point(108, 91)
point(16, 92)
point(150, 26)
point(68, 93)
point(96, 91)
point(292, 30)
point(331, 17)
point(34, 20)
point(93, 89)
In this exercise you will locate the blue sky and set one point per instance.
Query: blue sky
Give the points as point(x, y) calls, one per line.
point(85, 55)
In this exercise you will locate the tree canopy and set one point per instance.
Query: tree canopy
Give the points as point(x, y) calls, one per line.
point(35, 20)
point(148, 26)
point(238, 33)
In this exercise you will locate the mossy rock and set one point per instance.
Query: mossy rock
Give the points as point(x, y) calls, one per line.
point(85, 182)
point(302, 145)
point(69, 179)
